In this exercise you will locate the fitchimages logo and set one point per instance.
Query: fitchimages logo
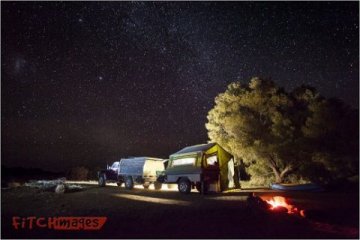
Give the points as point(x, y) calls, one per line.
point(59, 223)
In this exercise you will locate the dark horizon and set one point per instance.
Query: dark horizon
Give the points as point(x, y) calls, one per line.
point(87, 83)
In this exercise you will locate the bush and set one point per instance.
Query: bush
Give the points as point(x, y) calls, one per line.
point(296, 179)
point(78, 174)
point(257, 180)
point(93, 173)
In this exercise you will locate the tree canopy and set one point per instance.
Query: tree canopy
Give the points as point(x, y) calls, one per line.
point(284, 136)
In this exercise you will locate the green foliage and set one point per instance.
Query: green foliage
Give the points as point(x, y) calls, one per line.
point(298, 136)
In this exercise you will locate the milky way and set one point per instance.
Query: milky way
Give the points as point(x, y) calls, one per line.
point(85, 83)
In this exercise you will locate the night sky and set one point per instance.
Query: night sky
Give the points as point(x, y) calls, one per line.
point(85, 83)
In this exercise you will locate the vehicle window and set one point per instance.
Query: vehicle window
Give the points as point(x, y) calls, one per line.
point(115, 165)
point(184, 161)
point(166, 163)
point(212, 161)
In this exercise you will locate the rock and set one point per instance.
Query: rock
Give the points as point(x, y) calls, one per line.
point(315, 214)
point(256, 203)
point(73, 188)
point(57, 186)
point(45, 185)
point(280, 210)
point(60, 188)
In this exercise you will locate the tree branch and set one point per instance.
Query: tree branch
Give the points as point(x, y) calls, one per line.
point(287, 169)
point(272, 161)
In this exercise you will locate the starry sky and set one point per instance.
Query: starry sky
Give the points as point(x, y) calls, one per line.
point(85, 83)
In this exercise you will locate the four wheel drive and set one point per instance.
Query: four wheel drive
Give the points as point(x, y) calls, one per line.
point(131, 171)
point(201, 167)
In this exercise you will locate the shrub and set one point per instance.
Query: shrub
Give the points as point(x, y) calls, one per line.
point(78, 173)
point(93, 173)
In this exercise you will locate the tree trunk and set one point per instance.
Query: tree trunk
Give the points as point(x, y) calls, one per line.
point(285, 171)
point(278, 177)
point(276, 171)
point(237, 177)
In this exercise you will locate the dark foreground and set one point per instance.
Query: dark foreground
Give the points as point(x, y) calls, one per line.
point(168, 214)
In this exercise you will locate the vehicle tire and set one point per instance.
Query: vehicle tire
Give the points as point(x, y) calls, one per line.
point(102, 181)
point(146, 185)
point(198, 187)
point(161, 179)
point(184, 185)
point(119, 183)
point(129, 184)
point(157, 185)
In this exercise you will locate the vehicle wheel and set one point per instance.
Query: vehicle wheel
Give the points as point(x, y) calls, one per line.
point(161, 179)
point(146, 185)
point(119, 183)
point(102, 181)
point(184, 186)
point(129, 184)
point(198, 187)
point(157, 185)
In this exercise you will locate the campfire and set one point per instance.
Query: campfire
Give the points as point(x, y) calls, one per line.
point(275, 204)
point(279, 201)
point(281, 205)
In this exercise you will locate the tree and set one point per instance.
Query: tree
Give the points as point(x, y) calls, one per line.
point(278, 134)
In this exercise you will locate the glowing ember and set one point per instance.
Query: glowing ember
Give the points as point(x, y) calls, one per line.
point(279, 201)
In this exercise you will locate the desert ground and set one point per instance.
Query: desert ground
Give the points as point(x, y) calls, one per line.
point(141, 213)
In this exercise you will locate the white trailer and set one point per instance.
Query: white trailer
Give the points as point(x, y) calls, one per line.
point(135, 170)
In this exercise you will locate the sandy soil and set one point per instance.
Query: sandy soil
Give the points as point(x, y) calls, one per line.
point(140, 213)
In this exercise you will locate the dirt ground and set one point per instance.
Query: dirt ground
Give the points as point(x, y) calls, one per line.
point(140, 213)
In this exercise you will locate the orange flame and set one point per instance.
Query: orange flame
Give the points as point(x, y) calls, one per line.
point(279, 201)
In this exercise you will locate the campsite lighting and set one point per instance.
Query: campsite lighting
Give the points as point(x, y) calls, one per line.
point(153, 199)
point(164, 187)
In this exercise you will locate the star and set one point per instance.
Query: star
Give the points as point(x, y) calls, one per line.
point(127, 73)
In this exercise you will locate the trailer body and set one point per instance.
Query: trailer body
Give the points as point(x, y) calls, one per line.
point(204, 167)
point(131, 171)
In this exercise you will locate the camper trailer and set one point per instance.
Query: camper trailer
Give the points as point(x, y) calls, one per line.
point(131, 171)
point(204, 167)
